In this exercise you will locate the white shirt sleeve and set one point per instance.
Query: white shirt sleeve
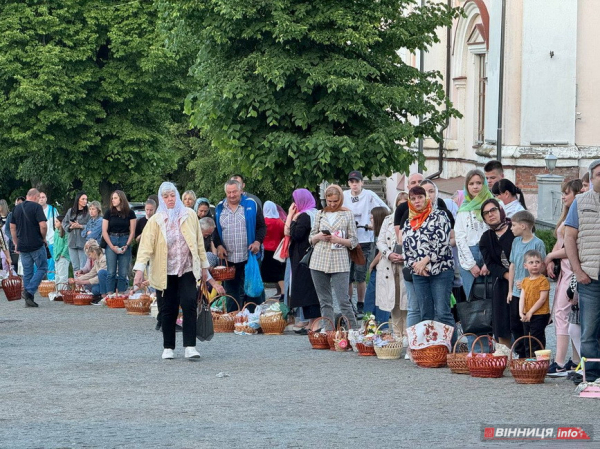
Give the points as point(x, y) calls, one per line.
point(465, 257)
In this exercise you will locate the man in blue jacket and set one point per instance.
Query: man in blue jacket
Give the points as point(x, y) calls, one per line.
point(240, 232)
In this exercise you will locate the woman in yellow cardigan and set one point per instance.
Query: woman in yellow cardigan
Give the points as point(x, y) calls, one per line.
point(172, 243)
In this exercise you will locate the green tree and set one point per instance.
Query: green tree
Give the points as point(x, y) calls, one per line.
point(88, 91)
point(308, 90)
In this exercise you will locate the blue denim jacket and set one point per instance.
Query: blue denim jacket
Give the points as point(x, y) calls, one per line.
point(95, 226)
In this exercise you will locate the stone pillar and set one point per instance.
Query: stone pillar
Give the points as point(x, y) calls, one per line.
point(549, 198)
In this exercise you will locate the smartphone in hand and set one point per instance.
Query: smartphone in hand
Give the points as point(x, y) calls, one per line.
point(326, 231)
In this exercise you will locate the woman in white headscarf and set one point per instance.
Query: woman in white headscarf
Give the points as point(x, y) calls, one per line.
point(272, 270)
point(172, 243)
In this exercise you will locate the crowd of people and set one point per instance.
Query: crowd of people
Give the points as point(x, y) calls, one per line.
point(409, 264)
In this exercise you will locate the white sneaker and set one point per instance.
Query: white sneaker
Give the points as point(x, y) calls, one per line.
point(168, 354)
point(191, 353)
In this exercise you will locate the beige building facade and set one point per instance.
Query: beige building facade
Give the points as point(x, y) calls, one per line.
point(551, 89)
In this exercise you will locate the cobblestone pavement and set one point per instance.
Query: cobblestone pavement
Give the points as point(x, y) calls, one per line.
point(93, 377)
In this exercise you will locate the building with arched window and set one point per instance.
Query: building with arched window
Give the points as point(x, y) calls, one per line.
point(550, 91)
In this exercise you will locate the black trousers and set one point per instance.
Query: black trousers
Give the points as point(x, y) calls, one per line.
point(517, 328)
point(537, 328)
point(235, 288)
point(180, 291)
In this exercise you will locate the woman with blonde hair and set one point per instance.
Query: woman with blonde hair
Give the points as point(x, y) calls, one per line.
point(333, 235)
point(469, 228)
point(95, 279)
point(189, 198)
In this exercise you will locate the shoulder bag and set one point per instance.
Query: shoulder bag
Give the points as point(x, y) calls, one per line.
point(357, 256)
point(475, 313)
point(204, 323)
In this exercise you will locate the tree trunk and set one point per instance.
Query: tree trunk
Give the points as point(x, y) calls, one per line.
point(106, 189)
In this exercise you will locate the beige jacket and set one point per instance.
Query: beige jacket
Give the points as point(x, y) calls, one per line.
point(153, 248)
point(92, 275)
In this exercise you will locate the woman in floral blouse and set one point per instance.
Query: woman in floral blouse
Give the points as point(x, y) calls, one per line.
point(427, 252)
point(333, 235)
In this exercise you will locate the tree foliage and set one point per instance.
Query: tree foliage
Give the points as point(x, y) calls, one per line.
point(88, 92)
point(308, 90)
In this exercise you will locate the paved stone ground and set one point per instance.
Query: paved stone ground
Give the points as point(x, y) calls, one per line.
point(93, 377)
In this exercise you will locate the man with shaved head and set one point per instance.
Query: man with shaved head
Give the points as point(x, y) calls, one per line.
point(28, 229)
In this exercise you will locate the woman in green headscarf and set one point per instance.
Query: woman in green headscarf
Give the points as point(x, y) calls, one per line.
point(469, 228)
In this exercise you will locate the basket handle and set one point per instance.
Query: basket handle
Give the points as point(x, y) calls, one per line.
point(226, 263)
point(389, 327)
point(247, 304)
point(524, 336)
point(339, 322)
point(224, 305)
point(460, 338)
point(480, 343)
point(318, 320)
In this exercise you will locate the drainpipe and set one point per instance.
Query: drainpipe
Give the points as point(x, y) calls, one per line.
point(501, 85)
point(421, 69)
point(448, 60)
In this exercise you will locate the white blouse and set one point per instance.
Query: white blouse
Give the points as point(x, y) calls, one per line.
point(467, 232)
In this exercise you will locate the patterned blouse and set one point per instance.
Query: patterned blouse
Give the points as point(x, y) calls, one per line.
point(179, 257)
point(325, 258)
point(431, 239)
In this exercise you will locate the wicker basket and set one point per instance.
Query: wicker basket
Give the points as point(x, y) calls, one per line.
point(13, 286)
point(318, 340)
point(392, 350)
point(139, 306)
point(68, 293)
point(116, 301)
point(272, 324)
point(224, 322)
point(486, 365)
point(457, 361)
point(46, 287)
point(241, 322)
point(340, 340)
point(528, 372)
point(435, 356)
point(331, 333)
point(223, 273)
point(365, 350)
point(82, 299)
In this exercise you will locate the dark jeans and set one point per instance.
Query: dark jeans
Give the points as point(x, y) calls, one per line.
point(537, 328)
point(117, 265)
point(589, 311)
point(433, 293)
point(180, 291)
point(100, 287)
point(235, 288)
point(31, 280)
point(517, 329)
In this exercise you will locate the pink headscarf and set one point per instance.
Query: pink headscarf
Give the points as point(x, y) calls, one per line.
point(304, 200)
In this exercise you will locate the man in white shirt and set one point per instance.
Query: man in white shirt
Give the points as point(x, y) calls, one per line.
point(361, 201)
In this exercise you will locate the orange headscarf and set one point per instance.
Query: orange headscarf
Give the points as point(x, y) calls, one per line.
point(334, 189)
point(417, 218)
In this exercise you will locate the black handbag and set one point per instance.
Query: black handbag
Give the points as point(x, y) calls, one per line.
point(475, 313)
point(204, 323)
point(406, 274)
point(556, 270)
point(306, 259)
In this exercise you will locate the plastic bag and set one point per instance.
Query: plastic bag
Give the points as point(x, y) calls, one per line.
point(253, 284)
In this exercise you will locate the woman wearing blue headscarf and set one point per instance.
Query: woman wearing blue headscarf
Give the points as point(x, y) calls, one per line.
point(173, 244)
